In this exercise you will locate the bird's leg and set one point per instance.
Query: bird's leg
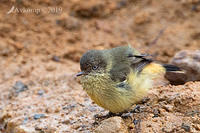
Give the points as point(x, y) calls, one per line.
point(124, 114)
point(115, 114)
point(98, 116)
point(110, 114)
point(138, 108)
point(127, 114)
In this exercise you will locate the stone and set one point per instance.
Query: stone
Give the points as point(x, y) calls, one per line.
point(188, 61)
point(20, 87)
point(38, 116)
point(112, 125)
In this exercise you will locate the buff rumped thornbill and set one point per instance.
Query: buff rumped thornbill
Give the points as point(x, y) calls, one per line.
point(117, 78)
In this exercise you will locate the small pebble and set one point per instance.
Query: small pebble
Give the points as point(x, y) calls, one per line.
point(112, 125)
point(56, 58)
point(25, 120)
point(69, 107)
point(122, 3)
point(70, 23)
point(185, 127)
point(50, 68)
point(20, 87)
point(156, 113)
point(91, 108)
point(135, 122)
point(40, 92)
point(38, 116)
point(66, 122)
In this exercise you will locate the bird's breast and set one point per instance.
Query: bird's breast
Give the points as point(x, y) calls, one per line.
point(96, 82)
point(98, 87)
point(106, 93)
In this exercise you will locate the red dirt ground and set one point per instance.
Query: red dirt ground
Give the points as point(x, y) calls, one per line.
point(42, 49)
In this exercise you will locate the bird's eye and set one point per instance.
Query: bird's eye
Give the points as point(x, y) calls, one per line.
point(94, 67)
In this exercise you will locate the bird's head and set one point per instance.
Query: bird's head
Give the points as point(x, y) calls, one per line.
point(92, 62)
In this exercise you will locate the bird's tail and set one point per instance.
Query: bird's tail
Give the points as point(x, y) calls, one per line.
point(172, 73)
point(171, 68)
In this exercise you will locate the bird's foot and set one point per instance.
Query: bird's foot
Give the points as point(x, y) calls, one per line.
point(110, 114)
point(137, 109)
point(127, 115)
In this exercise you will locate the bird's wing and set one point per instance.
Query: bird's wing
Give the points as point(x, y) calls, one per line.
point(138, 62)
point(119, 71)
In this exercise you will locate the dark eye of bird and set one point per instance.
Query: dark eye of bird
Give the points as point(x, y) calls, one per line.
point(94, 67)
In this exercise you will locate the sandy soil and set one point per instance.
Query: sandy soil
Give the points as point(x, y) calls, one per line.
point(41, 49)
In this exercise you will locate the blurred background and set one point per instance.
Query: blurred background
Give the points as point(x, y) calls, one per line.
point(41, 42)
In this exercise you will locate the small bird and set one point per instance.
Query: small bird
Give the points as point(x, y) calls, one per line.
point(117, 78)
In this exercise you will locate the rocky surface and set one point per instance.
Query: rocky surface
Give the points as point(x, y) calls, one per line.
point(169, 109)
point(189, 61)
point(40, 52)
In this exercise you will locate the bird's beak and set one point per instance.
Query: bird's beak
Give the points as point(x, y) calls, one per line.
point(80, 73)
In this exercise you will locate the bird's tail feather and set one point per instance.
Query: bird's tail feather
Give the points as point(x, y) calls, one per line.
point(172, 73)
point(170, 68)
